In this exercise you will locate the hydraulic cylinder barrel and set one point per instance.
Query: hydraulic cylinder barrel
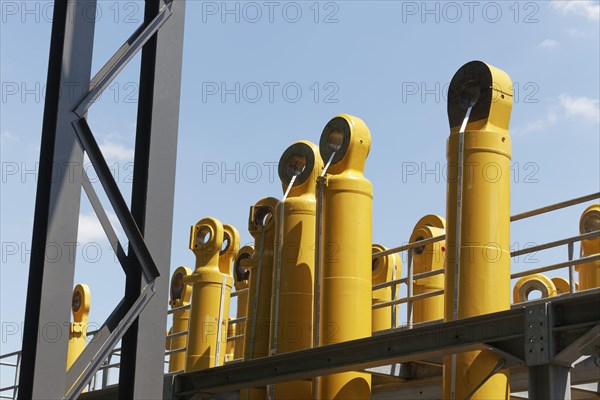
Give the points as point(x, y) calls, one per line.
point(346, 291)
point(589, 273)
point(383, 271)
point(240, 279)
point(425, 259)
point(482, 230)
point(261, 225)
point(292, 302)
point(180, 297)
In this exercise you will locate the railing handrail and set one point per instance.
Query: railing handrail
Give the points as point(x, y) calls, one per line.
point(554, 207)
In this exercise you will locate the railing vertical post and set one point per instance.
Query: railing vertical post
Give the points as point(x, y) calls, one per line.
point(571, 272)
point(409, 291)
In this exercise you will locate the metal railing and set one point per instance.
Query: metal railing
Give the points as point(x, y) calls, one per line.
point(411, 277)
point(408, 280)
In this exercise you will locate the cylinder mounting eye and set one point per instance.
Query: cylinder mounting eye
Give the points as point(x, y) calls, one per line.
point(263, 216)
point(297, 160)
point(76, 301)
point(335, 139)
point(590, 222)
point(203, 235)
point(226, 243)
point(374, 264)
point(469, 95)
point(420, 249)
point(241, 274)
point(177, 286)
point(296, 164)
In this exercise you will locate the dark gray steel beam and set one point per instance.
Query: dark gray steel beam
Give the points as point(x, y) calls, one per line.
point(120, 59)
point(136, 241)
point(552, 382)
point(142, 357)
point(401, 346)
point(56, 219)
point(104, 221)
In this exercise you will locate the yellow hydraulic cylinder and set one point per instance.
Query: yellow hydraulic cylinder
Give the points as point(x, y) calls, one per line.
point(230, 354)
point(261, 225)
point(428, 258)
point(383, 271)
point(209, 315)
point(180, 297)
point(80, 305)
point(229, 250)
point(240, 279)
point(484, 268)
point(292, 302)
point(530, 283)
point(346, 290)
point(589, 273)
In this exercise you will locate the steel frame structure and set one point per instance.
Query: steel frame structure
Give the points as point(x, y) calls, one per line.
point(140, 317)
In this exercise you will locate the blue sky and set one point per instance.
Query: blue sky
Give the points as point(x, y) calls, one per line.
point(259, 76)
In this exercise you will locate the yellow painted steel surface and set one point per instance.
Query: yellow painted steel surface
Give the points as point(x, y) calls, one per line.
point(589, 273)
point(346, 291)
point(180, 296)
point(80, 306)
point(230, 352)
point(297, 258)
point(562, 285)
point(484, 282)
point(261, 226)
point(428, 258)
point(229, 250)
point(383, 271)
point(530, 283)
point(240, 279)
point(209, 313)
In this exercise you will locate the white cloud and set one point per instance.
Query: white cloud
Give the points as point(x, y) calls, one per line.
point(537, 125)
point(567, 106)
point(587, 8)
point(116, 151)
point(548, 44)
point(580, 107)
point(90, 229)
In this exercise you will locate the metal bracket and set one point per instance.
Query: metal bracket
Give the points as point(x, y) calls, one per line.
point(537, 335)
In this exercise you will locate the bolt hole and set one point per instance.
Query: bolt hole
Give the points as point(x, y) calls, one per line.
point(530, 350)
point(203, 235)
point(389, 349)
point(542, 349)
point(329, 360)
